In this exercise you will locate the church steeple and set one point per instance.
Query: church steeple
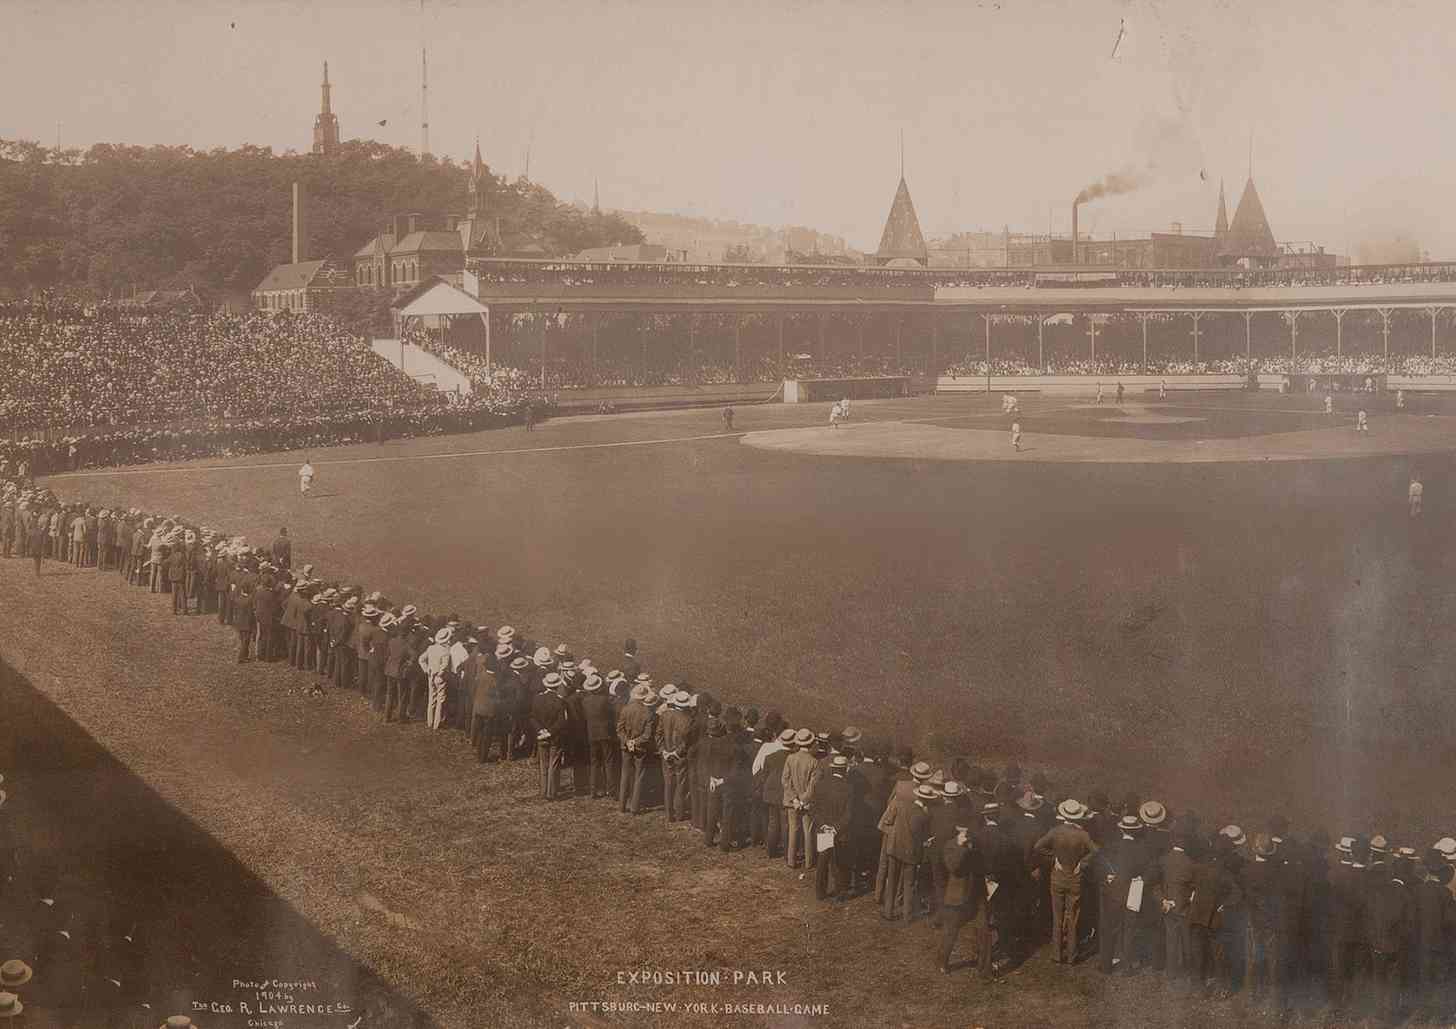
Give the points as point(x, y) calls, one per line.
point(477, 181)
point(325, 123)
point(1220, 225)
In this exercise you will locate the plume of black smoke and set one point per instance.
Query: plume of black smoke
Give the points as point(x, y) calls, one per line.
point(1124, 181)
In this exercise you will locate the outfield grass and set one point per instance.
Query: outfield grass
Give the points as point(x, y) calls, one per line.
point(1240, 637)
point(1237, 637)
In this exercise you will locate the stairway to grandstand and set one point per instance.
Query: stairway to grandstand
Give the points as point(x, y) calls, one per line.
point(422, 366)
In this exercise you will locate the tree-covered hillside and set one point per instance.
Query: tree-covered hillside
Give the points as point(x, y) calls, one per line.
point(113, 216)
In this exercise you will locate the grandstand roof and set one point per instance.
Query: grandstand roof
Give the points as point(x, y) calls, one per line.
point(1249, 235)
point(439, 297)
point(902, 236)
point(429, 239)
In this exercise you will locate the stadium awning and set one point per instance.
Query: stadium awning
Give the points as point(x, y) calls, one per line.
point(442, 299)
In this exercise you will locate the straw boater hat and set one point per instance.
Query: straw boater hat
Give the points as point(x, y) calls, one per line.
point(503, 650)
point(640, 691)
point(920, 771)
point(851, 735)
point(505, 633)
point(443, 637)
point(925, 792)
point(14, 973)
point(786, 737)
point(804, 737)
point(1447, 846)
point(592, 683)
point(542, 657)
point(10, 1006)
point(520, 664)
point(1071, 810)
point(1152, 813)
point(179, 1022)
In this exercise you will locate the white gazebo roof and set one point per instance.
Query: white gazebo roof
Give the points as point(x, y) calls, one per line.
point(443, 299)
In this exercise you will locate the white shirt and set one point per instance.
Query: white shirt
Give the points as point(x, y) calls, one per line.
point(435, 660)
point(306, 472)
point(771, 747)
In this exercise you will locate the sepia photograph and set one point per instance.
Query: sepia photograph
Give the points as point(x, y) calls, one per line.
point(844, 513)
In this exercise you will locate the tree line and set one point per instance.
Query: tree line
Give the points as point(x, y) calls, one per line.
point(112, 217)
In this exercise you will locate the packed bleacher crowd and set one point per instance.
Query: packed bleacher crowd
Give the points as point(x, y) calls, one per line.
point(1361, 923)
point(87, 385)
point(730, 277)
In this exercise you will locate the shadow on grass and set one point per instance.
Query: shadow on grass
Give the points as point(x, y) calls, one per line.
point(120, 861)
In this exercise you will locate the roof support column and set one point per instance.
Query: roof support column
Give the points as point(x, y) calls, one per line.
point(1197, 317)
point(1249, 336)
point(738, 348)
point(1339, 313)
point(1432, 311)
point(988, 352)
point(934, 345)
point(1142, 317)
point(1385, 332)
point(1292, 317)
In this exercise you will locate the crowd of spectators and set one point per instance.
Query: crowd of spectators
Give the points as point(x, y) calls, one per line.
point(1102, 366)
point(73, 366)
point(85, 385)
point(667, 275)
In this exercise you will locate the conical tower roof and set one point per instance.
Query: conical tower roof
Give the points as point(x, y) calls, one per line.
point(1250, 235)
point(902, 236)
point(1220, 224)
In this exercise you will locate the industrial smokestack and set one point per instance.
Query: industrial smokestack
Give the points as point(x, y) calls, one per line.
point(1075, 203)
point(300, 223)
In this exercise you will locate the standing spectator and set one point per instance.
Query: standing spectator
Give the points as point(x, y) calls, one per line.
point(635, 731)
point(834, 813)
point(965, 897)
point(800, 771)
point(435, 662)
point(1069, 848)
point(596, 712)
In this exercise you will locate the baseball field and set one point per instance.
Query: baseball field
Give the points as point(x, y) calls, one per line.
point(1219, 601)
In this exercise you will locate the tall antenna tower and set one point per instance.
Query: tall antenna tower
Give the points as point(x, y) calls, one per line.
point(424, 106)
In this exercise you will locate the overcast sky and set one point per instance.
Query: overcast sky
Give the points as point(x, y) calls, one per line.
point(784, 113)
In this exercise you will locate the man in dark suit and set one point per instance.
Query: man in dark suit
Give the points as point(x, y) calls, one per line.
point(265, 608)
point(175, 569)
point(965, 896)
point(1391, 928)
point(242, 620)
point(596, 712)
point(905, 834)
point(835, 808)
point(1436, 918)
point(550, 720)
point(283, 550)
point(1349, 944)
point(872, 783)
point(635, 732)
point(675, 736)
point(1263, 893)
point(1119, 863)
point(1175, 892)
